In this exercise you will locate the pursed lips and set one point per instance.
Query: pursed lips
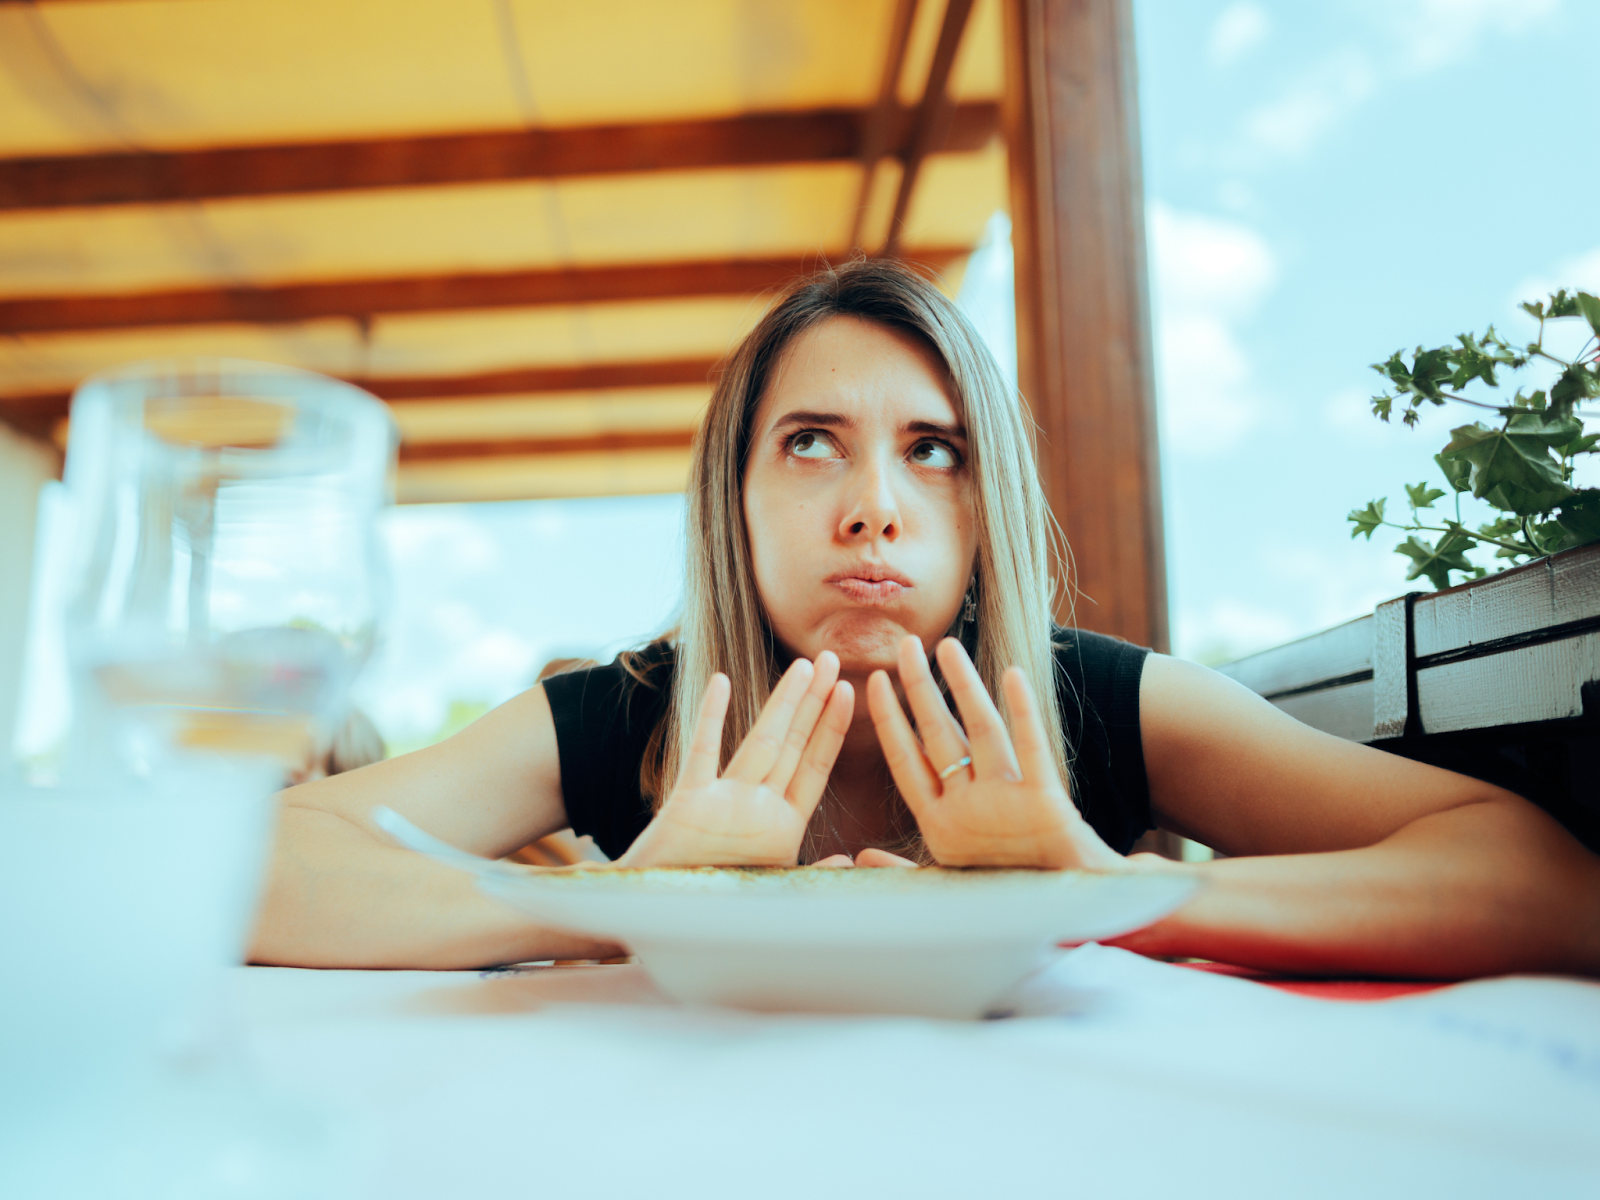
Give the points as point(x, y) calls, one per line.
point(871, 585)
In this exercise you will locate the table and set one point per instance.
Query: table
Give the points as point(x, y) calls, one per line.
point(1118, 1076)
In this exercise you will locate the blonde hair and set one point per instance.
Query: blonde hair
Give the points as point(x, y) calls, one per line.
point(724, 626)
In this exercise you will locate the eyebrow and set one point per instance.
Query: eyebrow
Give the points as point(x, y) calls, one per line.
point(830, 420)
point(949, 431)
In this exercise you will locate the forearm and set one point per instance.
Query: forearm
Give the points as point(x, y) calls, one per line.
point(1482, 889)
point(336, 898)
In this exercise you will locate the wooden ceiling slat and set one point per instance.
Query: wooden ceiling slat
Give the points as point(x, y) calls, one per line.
point(428, 293)
point(526, 380)
point(669, 439)
point(754, 139)
point(931, 126)
point(876, 136)
point(36, 413)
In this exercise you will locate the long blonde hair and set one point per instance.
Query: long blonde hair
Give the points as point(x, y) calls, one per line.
point(724, 626)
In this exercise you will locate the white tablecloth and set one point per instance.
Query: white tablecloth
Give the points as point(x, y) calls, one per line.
point(1118, 1077)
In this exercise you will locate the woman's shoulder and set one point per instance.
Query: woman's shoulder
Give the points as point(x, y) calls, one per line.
point(605, 718)
point(634, 676)
point(1097, 679)
point(1095, 660)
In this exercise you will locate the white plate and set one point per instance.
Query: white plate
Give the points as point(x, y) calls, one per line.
point(931, 941)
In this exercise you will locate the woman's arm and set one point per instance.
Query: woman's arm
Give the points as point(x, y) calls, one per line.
point(1351, 859)
point(339, 894)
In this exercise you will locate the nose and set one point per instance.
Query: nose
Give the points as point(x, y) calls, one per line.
point(872, 510)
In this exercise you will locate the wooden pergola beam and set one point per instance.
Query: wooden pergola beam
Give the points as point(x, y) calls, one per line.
point(361, 298)
point(1083, 316)
point(931, 127)
point(876, 134)
point(750, 140)
point(36, 413)
point(669, 439)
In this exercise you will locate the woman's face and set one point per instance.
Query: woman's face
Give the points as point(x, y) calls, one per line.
point(858, 496)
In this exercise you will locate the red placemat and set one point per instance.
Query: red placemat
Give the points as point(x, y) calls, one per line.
point(1323, 989)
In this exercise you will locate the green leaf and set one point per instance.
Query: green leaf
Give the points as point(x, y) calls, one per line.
point(1507, 529)
point(1457, 472)
point(1367, 519)
point(1576, 384)
point(1501, 527)
point(1590, 308)
point(1382, 406)
point(1561, 305)
point(1534, 308)
point(1434, 562)
point(1394, 370)
point(1580, 445)
point(1421, 495)
point(1544, 428)
point(1513, 473)
point(1430, 369)
point(1580, 516)
point(1553, 537)
point(1477, 358)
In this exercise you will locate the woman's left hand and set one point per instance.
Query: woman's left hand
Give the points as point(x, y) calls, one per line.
point(1009, 807)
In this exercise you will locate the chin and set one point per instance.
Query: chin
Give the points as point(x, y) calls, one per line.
point(865, 640)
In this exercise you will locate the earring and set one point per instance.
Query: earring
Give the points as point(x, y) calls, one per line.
point(969, 610)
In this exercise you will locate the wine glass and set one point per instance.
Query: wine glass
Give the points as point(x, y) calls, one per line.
point(229, 584)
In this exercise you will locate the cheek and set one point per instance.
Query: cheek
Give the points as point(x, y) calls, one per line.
point(949, 510)
point(776, 521)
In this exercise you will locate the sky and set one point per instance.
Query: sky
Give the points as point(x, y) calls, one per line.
point(1325, 183)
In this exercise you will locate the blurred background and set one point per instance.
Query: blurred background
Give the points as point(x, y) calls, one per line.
point(534, 227)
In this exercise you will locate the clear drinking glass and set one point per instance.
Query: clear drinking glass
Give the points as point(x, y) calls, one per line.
point(229, 584)
point(227, 587)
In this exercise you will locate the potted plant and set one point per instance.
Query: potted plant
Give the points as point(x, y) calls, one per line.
point(1521, 464)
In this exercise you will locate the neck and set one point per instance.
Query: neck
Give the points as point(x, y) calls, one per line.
point(859, 810)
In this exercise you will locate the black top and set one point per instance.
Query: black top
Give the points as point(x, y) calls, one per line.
point(604, 718)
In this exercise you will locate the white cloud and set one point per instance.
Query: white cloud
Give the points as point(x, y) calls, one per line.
point(1203, 262)
point(1207, 274)
point(1292, 123)
point(1230, 629)
point(1434, 33)
point(1348, 413)
point(1578, 271)
point(1239, 30)
point(1283, 592)
point(1236, 196)
point(1416, 37)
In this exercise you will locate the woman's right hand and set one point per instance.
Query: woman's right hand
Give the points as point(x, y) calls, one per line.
point(755, 813)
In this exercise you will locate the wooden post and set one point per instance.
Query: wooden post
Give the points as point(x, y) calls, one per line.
point(1083, 324)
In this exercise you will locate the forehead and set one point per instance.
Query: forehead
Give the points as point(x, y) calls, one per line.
point(860, 366)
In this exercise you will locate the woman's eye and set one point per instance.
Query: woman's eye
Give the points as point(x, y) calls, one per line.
point(933, 454)
point(812, 445)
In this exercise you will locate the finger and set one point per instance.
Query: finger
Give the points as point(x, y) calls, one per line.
point(805, 720)
point(834, 861)
point(811, 776)
point(873, 857)
point(1035, 755)
point(986, 731)
point(762, 745)
point(912, 774)
point(705, 751)
point(942, 739)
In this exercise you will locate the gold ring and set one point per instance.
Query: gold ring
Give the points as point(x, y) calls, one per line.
point(954, 767)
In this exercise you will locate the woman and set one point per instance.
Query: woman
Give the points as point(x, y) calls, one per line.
point(863, 487)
